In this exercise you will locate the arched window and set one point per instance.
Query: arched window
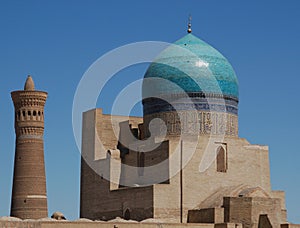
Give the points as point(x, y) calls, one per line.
point(127, 214)
point(221, 160)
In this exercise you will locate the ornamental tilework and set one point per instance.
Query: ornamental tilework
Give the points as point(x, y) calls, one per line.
point(163, 104)
point(193, 66)
point(198, 122)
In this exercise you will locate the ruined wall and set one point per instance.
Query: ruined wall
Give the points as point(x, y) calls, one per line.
point(209, 215)
point(100, 132)
point(248, 210)
point(79, 224)
point(146, 168)
point(99, 199)
point(290, 226)
point(238, 210)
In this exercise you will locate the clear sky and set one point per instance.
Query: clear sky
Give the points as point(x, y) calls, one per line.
point(56, 41)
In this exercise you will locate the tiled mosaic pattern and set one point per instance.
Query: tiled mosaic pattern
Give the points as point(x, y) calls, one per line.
point(190, 103)
point(191, 65)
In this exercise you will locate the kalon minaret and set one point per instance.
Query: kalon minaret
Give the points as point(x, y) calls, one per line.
point(29, 197)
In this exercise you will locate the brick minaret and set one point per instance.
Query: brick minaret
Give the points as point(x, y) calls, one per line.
point(29, 197)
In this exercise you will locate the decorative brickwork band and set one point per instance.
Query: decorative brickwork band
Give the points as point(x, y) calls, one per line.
point(194, 123)
point(194, 113)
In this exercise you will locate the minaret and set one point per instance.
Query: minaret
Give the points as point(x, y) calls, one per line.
point(29, 197)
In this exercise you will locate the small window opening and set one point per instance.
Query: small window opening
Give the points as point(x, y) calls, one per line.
point(221, 160)
point(127, 214)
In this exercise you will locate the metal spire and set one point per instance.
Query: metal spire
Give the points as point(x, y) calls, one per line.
point(190, 24)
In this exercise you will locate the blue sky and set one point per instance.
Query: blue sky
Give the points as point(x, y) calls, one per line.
point(56, 41)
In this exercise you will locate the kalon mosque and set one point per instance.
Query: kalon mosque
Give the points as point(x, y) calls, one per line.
point(180, 165)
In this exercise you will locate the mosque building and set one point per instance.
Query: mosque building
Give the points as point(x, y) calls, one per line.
point(183, 161)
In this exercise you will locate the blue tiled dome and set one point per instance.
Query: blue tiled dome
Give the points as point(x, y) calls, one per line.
point(194, 66)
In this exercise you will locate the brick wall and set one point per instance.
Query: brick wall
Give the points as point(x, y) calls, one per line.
point(248, 210)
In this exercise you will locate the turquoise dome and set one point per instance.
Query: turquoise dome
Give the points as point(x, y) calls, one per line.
point(193, 66)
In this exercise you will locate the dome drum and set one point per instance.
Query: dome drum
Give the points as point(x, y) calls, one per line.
point(194, 101)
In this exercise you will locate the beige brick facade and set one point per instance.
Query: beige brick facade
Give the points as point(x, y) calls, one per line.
point(185, 191)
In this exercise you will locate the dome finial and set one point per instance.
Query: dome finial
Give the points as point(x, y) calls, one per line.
point(29, 84)
point(190, 24)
